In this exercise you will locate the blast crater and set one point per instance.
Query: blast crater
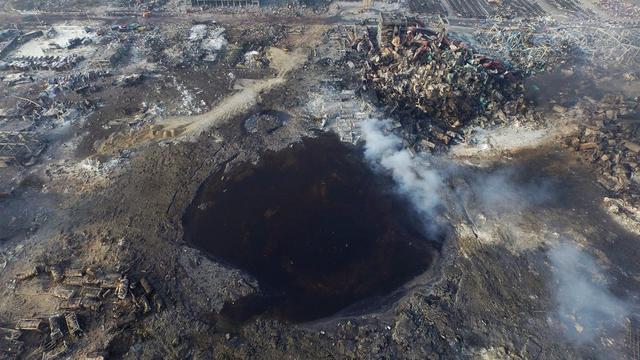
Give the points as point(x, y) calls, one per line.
point(315, 225)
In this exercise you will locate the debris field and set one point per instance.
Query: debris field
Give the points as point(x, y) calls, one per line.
point(410, 179)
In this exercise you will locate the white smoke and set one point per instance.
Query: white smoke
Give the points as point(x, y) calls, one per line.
point(498, 191)
point(585, 305)
point(414, 175)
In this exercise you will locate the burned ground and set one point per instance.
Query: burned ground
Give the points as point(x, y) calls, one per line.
point(515, 137)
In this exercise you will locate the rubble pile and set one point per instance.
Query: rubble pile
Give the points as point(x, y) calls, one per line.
point(199, 44)
point(440, 85)
point(78, 41)
point(255, 60)
point(26, 63)
point(16, 79)
point(609, 140)
point(82, 295)
point(6, 34)
point(45, 112)
point(428, 7)
point(78, 81)
point(129, 80)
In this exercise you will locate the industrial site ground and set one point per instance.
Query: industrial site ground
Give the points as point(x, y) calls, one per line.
point(411, 179)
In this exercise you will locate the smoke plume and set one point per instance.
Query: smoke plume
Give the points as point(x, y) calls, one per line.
point(414, 175)
point(585, 305)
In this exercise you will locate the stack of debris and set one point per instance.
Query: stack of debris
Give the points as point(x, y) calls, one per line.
point(16, 78)
point(574, 7)
point(58, 63)
point(439, 84)
point(118, 52)
point(79, 81)
point(10, 345)
point(610, 140)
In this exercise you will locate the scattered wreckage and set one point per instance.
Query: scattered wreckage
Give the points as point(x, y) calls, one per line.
point(525, 47)
point(19, 147)
point(609, 140)
point(57, 63)
point(82, 294)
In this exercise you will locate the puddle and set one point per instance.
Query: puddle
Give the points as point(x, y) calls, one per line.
point(316, 227)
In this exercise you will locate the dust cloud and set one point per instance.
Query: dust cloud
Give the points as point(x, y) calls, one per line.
point(584, 304)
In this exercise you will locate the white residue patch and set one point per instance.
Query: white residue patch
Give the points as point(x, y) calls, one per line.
point(250, 55)
point(211, 39)
point(190, 104)
point(86, 175)
point(43, 45)
point(215, 41)
point(340, 112)
point(484, 142)
point(198, 32)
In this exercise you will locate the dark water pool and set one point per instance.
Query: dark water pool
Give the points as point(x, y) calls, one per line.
point(314, 225)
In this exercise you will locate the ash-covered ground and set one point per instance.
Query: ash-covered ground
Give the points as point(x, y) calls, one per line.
point(446, 179)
